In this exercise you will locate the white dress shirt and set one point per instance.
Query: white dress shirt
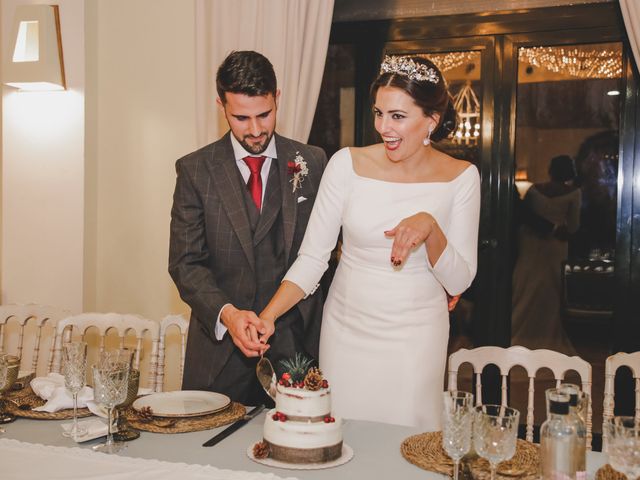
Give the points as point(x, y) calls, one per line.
point(240, 153)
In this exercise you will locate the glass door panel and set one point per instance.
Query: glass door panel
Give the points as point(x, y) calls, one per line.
point(568, 105)
point(334, 123)
point(463, 71)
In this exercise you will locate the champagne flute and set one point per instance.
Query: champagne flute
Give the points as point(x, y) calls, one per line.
point(457, 418)
point(495, 430)
point(624, 445)
point(75, 370)
point(110, 383)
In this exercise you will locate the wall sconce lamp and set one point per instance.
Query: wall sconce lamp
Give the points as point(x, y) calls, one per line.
point(35, 61)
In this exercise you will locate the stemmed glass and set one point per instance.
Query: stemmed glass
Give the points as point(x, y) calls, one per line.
point(4, 368)
point(624, 445)
point(495, 430)
point(9, 365)
point(110, 383)
point(457, 418)
point(74, 369)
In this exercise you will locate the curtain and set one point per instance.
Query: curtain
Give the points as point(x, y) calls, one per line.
point(292, 34)
point(631, 14)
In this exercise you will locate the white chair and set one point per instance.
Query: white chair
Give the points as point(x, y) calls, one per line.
point(630, 360)
point(26, 318)
point(532, 361)
point(171, 322)
point(105, 322)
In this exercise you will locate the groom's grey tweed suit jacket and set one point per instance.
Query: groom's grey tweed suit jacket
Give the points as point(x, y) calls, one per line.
point(211, 251)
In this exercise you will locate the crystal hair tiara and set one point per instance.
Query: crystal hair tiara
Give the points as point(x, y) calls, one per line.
point(408, 68)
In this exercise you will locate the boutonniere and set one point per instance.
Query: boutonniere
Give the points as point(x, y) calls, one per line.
point(298, 170)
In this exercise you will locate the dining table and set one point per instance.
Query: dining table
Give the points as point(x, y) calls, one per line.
point(36, 449)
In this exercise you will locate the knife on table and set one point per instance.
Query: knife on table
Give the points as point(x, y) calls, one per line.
point(233, 427)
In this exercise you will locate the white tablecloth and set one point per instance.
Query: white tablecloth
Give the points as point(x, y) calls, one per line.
point(376, 447)
point(18, 461)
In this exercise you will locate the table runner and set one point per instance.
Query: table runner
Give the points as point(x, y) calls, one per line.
point(28, 461)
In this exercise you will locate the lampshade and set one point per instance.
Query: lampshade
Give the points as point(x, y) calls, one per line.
point(35, 60)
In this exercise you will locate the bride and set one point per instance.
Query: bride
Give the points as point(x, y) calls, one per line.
point(409, 216)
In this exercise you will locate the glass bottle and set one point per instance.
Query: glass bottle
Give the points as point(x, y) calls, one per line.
point(558, 439)
point(578, 404)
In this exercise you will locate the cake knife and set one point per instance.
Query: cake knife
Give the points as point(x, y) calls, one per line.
point(234, 426)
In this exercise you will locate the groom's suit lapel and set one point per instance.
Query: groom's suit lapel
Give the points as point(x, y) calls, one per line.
point(287, 153)
point(228, 182)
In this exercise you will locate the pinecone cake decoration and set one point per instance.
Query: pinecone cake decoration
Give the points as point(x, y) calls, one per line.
point(261, 450)
point(313, 379)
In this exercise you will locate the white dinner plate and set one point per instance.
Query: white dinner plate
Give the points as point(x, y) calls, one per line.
point(183, 403)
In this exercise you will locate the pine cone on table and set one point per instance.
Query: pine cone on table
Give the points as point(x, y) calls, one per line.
point(261, 450)
point(145, 414)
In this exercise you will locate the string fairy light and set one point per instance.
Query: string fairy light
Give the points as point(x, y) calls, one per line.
point(576, 62)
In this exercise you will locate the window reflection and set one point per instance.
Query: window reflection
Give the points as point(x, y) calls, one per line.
point(568, 107)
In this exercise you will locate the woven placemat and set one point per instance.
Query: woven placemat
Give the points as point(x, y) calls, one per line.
point(25, 401)
point(234, 412)
point(607, 472)
point(425, 451)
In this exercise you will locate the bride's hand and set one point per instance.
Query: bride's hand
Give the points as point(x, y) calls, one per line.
point(266, 329)
point(408, 234)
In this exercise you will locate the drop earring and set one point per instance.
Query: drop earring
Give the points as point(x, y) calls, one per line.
point(427, 140)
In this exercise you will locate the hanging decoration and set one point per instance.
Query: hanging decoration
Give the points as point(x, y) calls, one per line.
point(468, 107)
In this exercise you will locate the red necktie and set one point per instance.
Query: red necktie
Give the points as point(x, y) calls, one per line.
point(255, 179)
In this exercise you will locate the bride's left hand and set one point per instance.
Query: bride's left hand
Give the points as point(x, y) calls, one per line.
point(408, 234)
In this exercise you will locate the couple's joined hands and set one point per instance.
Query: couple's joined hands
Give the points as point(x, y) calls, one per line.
point(249, 332)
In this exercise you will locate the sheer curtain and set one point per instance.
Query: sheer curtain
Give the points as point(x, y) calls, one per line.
point(293, 34)
point(631, 14)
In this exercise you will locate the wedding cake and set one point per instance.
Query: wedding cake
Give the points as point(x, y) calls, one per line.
point(300, 429)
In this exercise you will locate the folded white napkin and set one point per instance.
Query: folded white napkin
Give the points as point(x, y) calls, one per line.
point(95, 429)
point(51, 388)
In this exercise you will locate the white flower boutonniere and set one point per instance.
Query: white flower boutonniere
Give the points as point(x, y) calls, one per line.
point(298, 170)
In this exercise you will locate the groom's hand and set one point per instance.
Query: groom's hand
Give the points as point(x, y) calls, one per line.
point(239, 324)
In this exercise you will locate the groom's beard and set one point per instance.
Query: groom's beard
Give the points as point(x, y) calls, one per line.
point(256, 148)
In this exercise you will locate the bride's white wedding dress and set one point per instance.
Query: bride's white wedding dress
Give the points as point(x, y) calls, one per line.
point(384, 330)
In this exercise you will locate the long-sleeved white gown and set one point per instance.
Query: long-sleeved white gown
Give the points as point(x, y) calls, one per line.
point(385, 329)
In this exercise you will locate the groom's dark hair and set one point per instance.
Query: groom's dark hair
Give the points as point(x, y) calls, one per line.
point(246, 72)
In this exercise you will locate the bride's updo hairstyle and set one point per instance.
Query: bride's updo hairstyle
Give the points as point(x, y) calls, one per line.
point(422, 81)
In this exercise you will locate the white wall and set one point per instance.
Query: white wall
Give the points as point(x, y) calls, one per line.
point(140, 120)
point(42, 177)
point(86, 203)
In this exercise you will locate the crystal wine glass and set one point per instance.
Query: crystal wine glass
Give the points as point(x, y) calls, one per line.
point(74, 369)
point(9, 365)
point(4, 368)
point(110, 383)
point(624, 445)
point(457, 418)
point(495, 430)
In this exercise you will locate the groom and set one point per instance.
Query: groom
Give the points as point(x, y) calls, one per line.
point(240, 210)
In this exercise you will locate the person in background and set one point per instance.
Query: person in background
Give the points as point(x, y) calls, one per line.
point(536, 319)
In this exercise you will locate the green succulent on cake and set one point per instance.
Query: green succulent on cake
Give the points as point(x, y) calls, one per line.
point(297, 367)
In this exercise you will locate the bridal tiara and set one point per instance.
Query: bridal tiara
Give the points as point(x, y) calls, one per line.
point(406, 67)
